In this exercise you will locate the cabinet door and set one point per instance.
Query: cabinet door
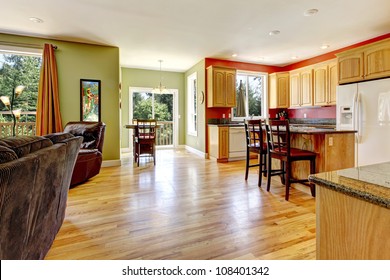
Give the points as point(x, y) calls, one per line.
point(223, 142)
point(230, 88)
point(283, 90)
point(350, 67)
point(333, 82)
point(218, 88)
point(279, 90)
point(273, 92)
point(306, 88)
point(320, 77)
point(377, 61)
point(294, 90)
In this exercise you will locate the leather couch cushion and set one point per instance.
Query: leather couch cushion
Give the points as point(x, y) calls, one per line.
point(7, 154)
point(90, 131)
point(23, 145)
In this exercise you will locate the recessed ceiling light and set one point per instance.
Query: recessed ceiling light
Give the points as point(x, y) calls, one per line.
point(274, 32)
point(234, 55)
point(294, 57)
point(260, 58)
point(36, 20)
point(324, 46)
point(310, 12)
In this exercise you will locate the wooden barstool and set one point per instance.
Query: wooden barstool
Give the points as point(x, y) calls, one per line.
point(255, 144)
point(278, 139)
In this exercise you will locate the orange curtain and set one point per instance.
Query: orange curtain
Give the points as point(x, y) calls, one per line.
point(48, 118)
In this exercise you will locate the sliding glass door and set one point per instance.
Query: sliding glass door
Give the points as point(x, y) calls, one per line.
point(160, 106)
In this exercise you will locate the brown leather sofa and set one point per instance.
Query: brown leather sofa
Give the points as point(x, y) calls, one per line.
point(89, 159)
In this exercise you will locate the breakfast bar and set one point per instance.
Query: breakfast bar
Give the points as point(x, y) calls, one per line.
point(353, 213)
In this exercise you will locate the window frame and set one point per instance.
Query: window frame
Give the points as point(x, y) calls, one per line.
point(264, 103)
point(192, 104)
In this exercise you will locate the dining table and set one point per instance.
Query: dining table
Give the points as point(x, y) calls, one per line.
point(134, 126)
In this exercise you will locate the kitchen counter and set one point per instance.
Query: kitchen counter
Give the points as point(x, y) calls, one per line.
point(296, 128)
point(353, 213)
point(370, 183)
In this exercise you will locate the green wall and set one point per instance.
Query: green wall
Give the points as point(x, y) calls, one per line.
point(77, 61)
point(149, 79)
point(198, 142)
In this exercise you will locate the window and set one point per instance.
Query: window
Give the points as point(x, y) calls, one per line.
point(192, 104)
point(251, 89)
point(19, 68)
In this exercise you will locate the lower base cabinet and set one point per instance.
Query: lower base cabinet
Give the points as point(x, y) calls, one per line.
point(218, 142)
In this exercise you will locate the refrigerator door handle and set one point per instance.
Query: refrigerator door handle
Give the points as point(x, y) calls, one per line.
point(359, 117)
point(354, 111)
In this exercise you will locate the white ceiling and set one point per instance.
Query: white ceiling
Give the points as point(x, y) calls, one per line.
point(182, 32)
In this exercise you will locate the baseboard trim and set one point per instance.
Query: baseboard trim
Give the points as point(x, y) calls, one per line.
point(110, 163)
point(196, 152)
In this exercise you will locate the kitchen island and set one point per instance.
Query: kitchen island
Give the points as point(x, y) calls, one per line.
point(353, 213)
point(330, 145)
point(335, 148)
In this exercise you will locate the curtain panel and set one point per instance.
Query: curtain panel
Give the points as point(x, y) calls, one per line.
point(48, 119)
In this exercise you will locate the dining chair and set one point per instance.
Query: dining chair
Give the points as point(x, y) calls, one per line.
point(255, 144)
point(278, 139)
point(145, 139)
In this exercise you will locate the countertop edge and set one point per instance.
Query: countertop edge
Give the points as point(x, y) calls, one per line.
point(351, 192)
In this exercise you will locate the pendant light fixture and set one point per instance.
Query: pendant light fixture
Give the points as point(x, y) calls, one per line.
point(160, 88)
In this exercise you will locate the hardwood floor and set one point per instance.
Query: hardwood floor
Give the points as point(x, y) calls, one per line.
point(185, 207)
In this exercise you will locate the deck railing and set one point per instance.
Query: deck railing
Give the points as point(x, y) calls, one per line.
point(165, 133)
point(21, 128)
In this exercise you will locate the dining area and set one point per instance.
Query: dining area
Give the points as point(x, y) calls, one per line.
point(144, 139)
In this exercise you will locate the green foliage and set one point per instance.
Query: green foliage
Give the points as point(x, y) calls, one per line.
point(142, 106)
point(20, 70)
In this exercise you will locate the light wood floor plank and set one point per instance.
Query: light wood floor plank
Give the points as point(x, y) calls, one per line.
point(185, 207)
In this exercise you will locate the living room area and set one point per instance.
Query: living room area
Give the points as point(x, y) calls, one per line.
point(82, 201)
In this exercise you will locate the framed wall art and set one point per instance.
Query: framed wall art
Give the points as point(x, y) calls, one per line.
point(90, 100)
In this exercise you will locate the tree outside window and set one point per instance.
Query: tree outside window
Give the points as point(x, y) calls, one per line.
point(17, 70)
point(251, 89)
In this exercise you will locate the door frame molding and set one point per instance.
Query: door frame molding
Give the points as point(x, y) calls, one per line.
point(175, 93)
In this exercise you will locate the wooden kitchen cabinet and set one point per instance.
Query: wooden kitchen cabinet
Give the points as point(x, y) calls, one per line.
point(279, 90)
point(218, 142)
point(377, 60)
point(350, 67)
point(221, 87)
point(325, 83)
point(368, 62)
point(301, 87)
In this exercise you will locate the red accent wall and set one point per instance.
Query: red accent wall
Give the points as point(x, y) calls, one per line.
point(242, 65)
point(313, 113)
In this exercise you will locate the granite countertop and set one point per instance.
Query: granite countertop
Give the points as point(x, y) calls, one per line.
point(370, 183)
point(318, 130)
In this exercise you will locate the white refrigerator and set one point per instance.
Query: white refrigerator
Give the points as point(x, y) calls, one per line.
point(365, 107)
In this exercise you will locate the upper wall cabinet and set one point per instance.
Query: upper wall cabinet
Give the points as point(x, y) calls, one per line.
point(279, 90)
point(364, 63)
point(221, 87)
point(325, 83)
point(377, 60)
point(301, 87)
